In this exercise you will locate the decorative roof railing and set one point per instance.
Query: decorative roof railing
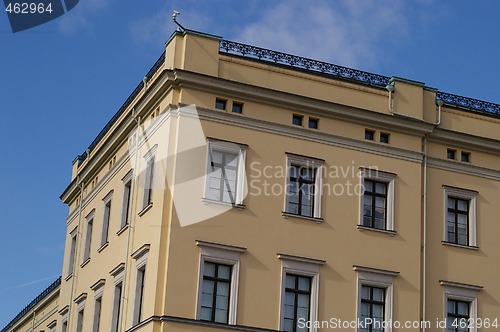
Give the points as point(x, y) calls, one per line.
point(315, 66)
point(469, 103)
point(320, 67)
point(122, 109)
point(33, 303)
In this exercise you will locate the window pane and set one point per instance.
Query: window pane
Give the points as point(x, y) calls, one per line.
point(224, 271)
point(463, 205)
point(380, 202)
point(209, 269)
point(220, 316)
point(289, 311)
point(223, 289)
point(304, 283)
point(205, 313)
point(290, 281)
point(231, 159)
point(222, 302)
point(216, 157)
point(365, 292)
point(368, 186)
point(288, 325)
point(451, 203)
point(380, 188)
point(378, 294)
point(463, 308)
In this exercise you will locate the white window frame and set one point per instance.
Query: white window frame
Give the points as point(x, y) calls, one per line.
point(461, 292)
point(148, 180)
point(73, 246)
point(106, 218)
point(52, 326)
point(118, 274)
point(80, 307)
point(222, 254)
point(228, 147)
point(464, 194)
point(127, 200)
point(373, 277)
point(88, 236)
point(380, 176)
point(308, 162)
point(140, 256)
point(302, 266)
point(64, 318)
point(98, 289)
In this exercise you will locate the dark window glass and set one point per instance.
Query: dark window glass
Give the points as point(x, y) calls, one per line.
point(465, 157)
point(297, 302)
point(313, 123)
point(384, 138)
point(458, 312)
point(237, 107)
point(457, 221)
point(220, 104)
point(375, 204)
point(372, 308)
point(451, 154)
point(215, 292)
point(301, 190)
point(297, 119)
point(369, 134)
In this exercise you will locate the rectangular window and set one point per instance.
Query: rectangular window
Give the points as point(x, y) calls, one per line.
point(465, 157)
point(88, 236)
point(220, 104)
point(377, 200)
point(384, 138)
point(147, 197)
point(225, 173)
point(297, 119)
point(369, 134)
point(139, 294)
point(375, 204)
point(97, 314)
point(79, 321)
point(127, 191)
point(72, 252)
point(237, 107)
point(451, 154)
point(304, 181)
point(117, 308)
point(313, 123)
point(297, 302)
point(215, 292)
point(64, 327)
point(372, 308)
point(457, 222)
point(458, 314)
point(106, 219)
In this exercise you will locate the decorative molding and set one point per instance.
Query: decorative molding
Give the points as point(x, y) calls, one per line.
point(359, 268)
point(117, 270)
point(362, 228)
point(287, 215)
point(98, 284)
point(451, 244)
point(141, 251)
point(469, 104)
point(214, 245)
point(80, 298)
point(301, 259)
point(460, 285)
point(463, 168)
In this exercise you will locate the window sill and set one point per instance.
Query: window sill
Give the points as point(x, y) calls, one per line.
point(287, 215)
point(69, 277)
point(145, 209)
point(103, 247)
point(85, 262)
point(386, 231)
point(121, 230)
point(451, 244)
point(211, 201)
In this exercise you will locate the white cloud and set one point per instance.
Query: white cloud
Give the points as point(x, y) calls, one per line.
point(345, 32)
point(77, 18)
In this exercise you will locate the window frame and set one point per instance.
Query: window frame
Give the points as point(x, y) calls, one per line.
point(220, 101)
point(127, 181)
point(237, 104)
point(378, 176)
point(98, 289)
point(148, 178)
point(88, 236)
point(106, 218)
point(308, 162)
point(220, 254)
point(373, 277)
point(117, 304)
point(300, 266)
point(460, 292)
point(462, 194)
point(80, 311)
point(240, 185)
point(299, 118)
point(140, 256)
point(72, 250)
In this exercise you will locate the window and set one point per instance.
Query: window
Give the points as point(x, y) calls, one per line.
point(304, 186)
point(237, 107)
point(458, 313)
point(384, 138)
point(451, 154)
point(64, 318)
point(88, 236)
point(140, 257)
point(299, 292)
point(72, 251)
point(372, 308)
point(313, 123)
point(218, 282)
point(370, 134)
point(106, 218)
point(220, 104)
point(465, 157)
point(460, 302)
point(375, 298)
point(64, 327)
point(297, 302)
point(297, 119)
point(460, 216)
point(127, 191)
point(116, 312)
point(98, 289)
point(377, 201)
point(225, 181)
point(79, 321)
point(80, 303)
point(147, 197)
point(52, 326)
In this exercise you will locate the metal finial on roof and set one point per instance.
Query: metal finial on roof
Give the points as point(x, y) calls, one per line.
point(174, 18)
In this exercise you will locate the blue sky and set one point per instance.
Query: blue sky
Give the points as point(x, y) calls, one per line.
point(62, 81)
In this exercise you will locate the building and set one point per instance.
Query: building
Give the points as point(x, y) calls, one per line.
point(246, 189)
